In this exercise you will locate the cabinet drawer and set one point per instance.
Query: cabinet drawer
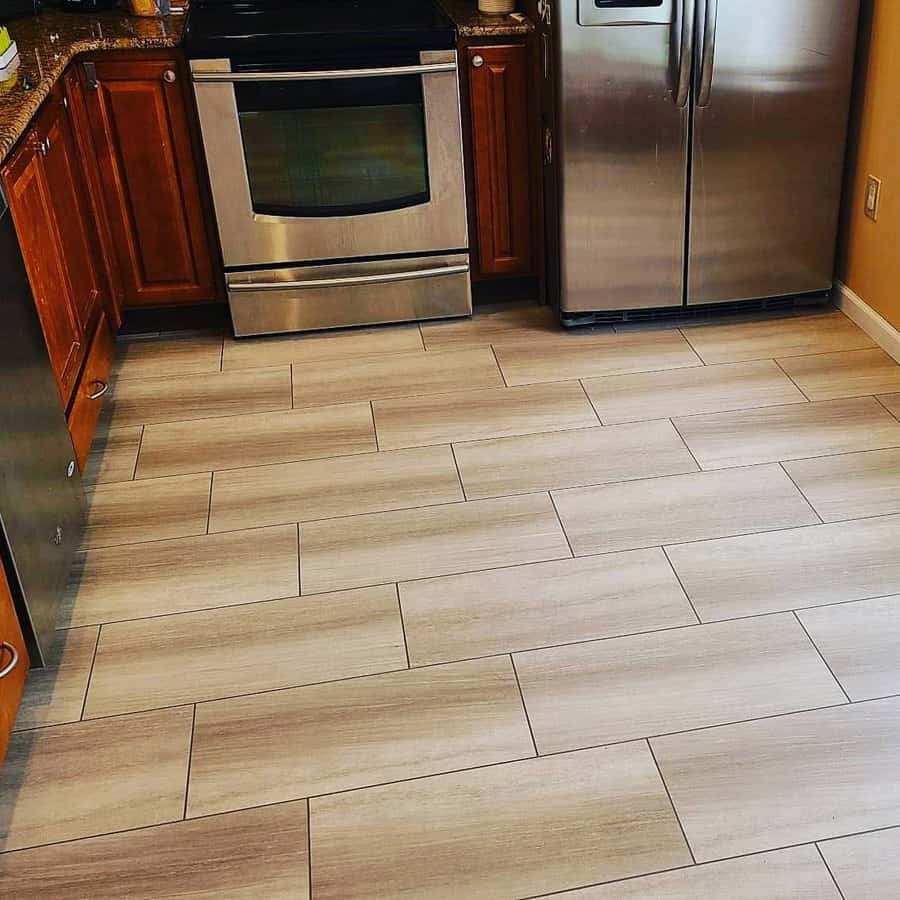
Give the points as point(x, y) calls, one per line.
point(89, 393)
point(13, 683)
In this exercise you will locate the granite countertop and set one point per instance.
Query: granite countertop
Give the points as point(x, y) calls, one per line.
point(472, 23)
point(48, 43)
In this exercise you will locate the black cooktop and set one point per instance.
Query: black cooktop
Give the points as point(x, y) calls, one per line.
point(229, 29)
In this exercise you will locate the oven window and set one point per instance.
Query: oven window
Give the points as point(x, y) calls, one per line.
point(339, 147)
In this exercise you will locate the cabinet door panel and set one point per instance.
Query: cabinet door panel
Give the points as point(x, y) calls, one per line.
point(13, 683)
point(151, 187)
point(498, 79)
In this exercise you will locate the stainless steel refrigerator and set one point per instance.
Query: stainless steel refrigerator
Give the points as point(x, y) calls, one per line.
point(700, 148)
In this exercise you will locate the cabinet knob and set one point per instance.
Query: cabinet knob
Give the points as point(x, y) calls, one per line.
point(169, 76)
point(70, 469)
point(478, 61)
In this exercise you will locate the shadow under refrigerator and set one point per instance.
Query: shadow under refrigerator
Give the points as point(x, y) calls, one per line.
point(701, 148)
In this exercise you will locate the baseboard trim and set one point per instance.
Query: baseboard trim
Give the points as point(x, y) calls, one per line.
point(872, 323)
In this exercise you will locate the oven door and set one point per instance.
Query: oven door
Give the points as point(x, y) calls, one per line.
point(331, 164)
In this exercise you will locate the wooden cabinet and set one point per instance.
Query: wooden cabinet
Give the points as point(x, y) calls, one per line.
point(13, 663)
point(502, 174)
point(138, 114)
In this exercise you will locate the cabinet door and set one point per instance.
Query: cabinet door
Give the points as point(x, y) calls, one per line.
point(498, 80)
point(13, 663)
point(139, 120)
point(27, 191)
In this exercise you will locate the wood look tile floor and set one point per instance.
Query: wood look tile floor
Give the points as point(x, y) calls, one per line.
point(481, 610)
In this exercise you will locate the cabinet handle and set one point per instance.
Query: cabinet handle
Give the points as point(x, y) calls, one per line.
point(102, 388)
point(169, 76)
point(13, 662)
point(478, 61)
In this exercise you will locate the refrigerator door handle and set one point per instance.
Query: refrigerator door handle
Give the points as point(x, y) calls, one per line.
point(685, 19)
point(708, 52)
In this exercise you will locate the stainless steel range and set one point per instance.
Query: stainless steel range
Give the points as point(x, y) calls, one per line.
point(333, 139)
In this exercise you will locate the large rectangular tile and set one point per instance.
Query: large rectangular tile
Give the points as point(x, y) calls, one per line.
point(257, 353)
point(627, 688)
point(814, 566)
point(473, 415)
point(855, 373)
point(257, 440)
point(521, 325)
point(324, 488)
point(113, 455)
point(146, 401)
point(507, 831)
point(438, 540)
point(861, 643)
point(787, 780)
point(866, 866)
point(850, 486)
point(593, 355)
point(90, 778)
point(184, 574)
point(720, 440)
point(245, 649)
point(399, 375)
point(152, 357)
point(153, 510)
point(794, 874)
point(688, 392)
point(782, 336)
point(558, 459)
point(541, 604)
point(656, 511)
point(255, 854)
point(334, 737)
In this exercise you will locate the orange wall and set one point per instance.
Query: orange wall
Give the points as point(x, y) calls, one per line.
point(870, 251)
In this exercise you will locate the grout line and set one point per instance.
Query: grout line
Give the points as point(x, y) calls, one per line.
point(512, 662)
point(462, 485)
point(591, 404)
point(299, 561)
point(212, 479)
point(881, 402)
point(825, 662)
point(671, 801)
point(374, 428)
point(691, 452)
point(87, 686)
point(402, 627)
point(137, 455)
point(222, 354)
point(828, 868)
point(309, 849)
point(687, 596)
point(187, 784)
point(694, 350)
point(814, 511)
point(792, 381)
point(499, 367)
point(561, 526)
point(292, 386)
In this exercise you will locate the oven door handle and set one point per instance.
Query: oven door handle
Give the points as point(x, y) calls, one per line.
point(324, 75)
point(385, 278)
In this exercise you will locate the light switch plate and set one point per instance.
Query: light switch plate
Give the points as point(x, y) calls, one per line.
point(873, 197)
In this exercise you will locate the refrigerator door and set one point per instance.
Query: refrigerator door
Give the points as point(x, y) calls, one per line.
point(772, 92)
point(623, 145)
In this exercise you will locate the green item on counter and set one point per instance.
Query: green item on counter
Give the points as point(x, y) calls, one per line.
point(5, 40)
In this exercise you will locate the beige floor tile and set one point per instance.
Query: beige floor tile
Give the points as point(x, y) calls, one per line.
point(537, 605)
point(559, 459)
point(257, 353)
point(91, 778)
point(348, 734)
point(191, 355)
point(420, 543)
point(255, 854)
point(473, 415)
point(150, 510)
point(627, 688)
point(783, 336)
point(788, 780)
point(506, 831)
point(113, 455)
point(892, 402)
point(680, 508)
point(245, 649)
point(593, 355)
point(850, 486)
point(324, 488)
point(688, 392)
point(789, 432)
point(861, 643)
point(149, 401)
point(520, 325)
point(856, 373)
point(256, 440)
point(55, 694)
point(163, 577)
point(866, 866)
point(794, 874)
point(814, 566)
point(399, 375)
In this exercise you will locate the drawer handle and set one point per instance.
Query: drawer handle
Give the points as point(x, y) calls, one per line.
point(102, 388)
point(12, 663)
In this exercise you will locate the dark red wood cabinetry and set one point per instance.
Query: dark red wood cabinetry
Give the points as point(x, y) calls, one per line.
point(13, 663)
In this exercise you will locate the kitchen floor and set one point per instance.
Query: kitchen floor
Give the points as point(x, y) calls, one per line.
point(480, 609)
